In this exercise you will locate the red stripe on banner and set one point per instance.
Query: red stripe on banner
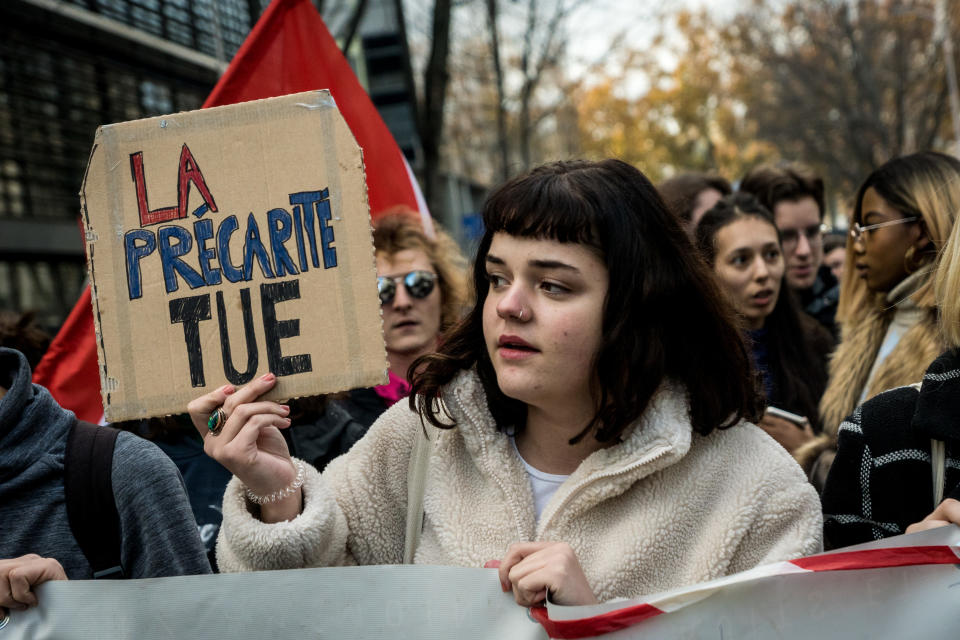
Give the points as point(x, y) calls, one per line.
point(595, 626)
point(878, 558)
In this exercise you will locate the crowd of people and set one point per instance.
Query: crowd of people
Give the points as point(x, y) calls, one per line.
point(634, 389)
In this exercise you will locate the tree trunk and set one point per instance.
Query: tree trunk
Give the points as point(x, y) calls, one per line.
point(430, 124)
point(492, 11)
point(354, 24)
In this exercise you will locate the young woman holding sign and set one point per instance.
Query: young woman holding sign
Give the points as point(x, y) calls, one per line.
point(586, 421)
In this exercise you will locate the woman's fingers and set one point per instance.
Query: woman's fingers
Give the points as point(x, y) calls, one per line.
point(947, 512)
point(534, 569)
point(241, 415)
point(201, 408)
point(923, 525)
point(789, 434)
point(247, 439)
point(228, 397)
point(515, 553)
point(250, 391)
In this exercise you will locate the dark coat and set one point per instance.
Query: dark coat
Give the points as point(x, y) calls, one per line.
point(882, 479)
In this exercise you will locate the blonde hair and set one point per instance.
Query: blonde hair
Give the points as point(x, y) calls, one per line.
point(400, 229)
point(946, 287)
point(925, 185)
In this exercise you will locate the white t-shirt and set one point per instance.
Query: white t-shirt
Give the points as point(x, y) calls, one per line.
point(544, 485)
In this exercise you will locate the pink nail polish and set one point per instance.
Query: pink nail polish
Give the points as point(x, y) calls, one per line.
point(267, 377)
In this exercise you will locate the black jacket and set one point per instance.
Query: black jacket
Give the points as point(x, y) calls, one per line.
point(882, 479)
point(820, 300)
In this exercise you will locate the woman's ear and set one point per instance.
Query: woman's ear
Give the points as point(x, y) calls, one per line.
point(921, 242)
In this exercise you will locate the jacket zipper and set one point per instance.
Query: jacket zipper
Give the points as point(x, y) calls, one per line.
point(585, 483)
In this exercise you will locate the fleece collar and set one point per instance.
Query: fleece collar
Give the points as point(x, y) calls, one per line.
point(660, 438)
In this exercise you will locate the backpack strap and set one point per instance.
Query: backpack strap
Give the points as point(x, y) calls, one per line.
point(88, 485)
point(416, 484)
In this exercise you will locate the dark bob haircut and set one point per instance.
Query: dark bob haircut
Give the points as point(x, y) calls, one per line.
point(663, 317)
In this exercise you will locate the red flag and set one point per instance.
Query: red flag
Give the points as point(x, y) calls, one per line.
point(287, 51)
point(69, 367)
point(290, 50)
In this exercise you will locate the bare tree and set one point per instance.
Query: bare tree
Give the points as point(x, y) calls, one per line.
point(501, 109)
point(842, 85)
point(353, 24)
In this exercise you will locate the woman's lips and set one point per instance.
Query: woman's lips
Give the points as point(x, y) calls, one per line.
point(762, 298)
point(515, 348)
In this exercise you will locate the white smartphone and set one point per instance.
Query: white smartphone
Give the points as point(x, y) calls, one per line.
point(786, 415)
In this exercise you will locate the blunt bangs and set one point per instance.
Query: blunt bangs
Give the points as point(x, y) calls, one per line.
point(545, 205)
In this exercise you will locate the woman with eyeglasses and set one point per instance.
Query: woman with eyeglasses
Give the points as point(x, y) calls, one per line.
point(903, 215)
point(422, 283)
point(895, 470)
point(584, 426)
point(739, 240)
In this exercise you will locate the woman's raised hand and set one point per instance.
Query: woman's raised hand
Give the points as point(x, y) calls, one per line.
point(532, 569)
point(249, 443)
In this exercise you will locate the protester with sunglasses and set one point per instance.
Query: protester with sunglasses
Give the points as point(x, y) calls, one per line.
point(794, 195)
point(903, 215)
point(422, 283)
point(585, 425)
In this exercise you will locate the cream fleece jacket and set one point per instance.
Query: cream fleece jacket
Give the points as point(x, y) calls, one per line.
point(662, 509)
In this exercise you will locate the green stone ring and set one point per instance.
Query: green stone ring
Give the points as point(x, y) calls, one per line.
point(216, 421)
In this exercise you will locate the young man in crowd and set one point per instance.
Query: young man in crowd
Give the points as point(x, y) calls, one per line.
point(152, 528)
point(794, 194)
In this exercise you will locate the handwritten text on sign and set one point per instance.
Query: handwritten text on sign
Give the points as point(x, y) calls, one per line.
point(238, 242)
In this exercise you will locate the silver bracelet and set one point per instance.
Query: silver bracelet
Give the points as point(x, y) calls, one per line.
point(282, 493)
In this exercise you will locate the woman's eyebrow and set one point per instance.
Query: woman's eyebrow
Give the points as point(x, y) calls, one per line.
point(552, 264)
point(494, 259)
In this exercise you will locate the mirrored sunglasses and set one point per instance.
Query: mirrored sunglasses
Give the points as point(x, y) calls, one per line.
point(419, 285)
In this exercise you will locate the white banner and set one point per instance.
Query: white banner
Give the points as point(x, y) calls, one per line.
point(900, 587)
point(378, 602)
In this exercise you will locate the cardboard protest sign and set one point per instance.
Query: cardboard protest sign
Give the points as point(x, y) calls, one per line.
point(227, 243)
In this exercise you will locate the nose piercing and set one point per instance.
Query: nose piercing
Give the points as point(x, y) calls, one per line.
point(520, 317)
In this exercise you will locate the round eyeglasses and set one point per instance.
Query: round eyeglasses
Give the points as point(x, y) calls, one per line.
point(857, 232)
point(419, 285)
